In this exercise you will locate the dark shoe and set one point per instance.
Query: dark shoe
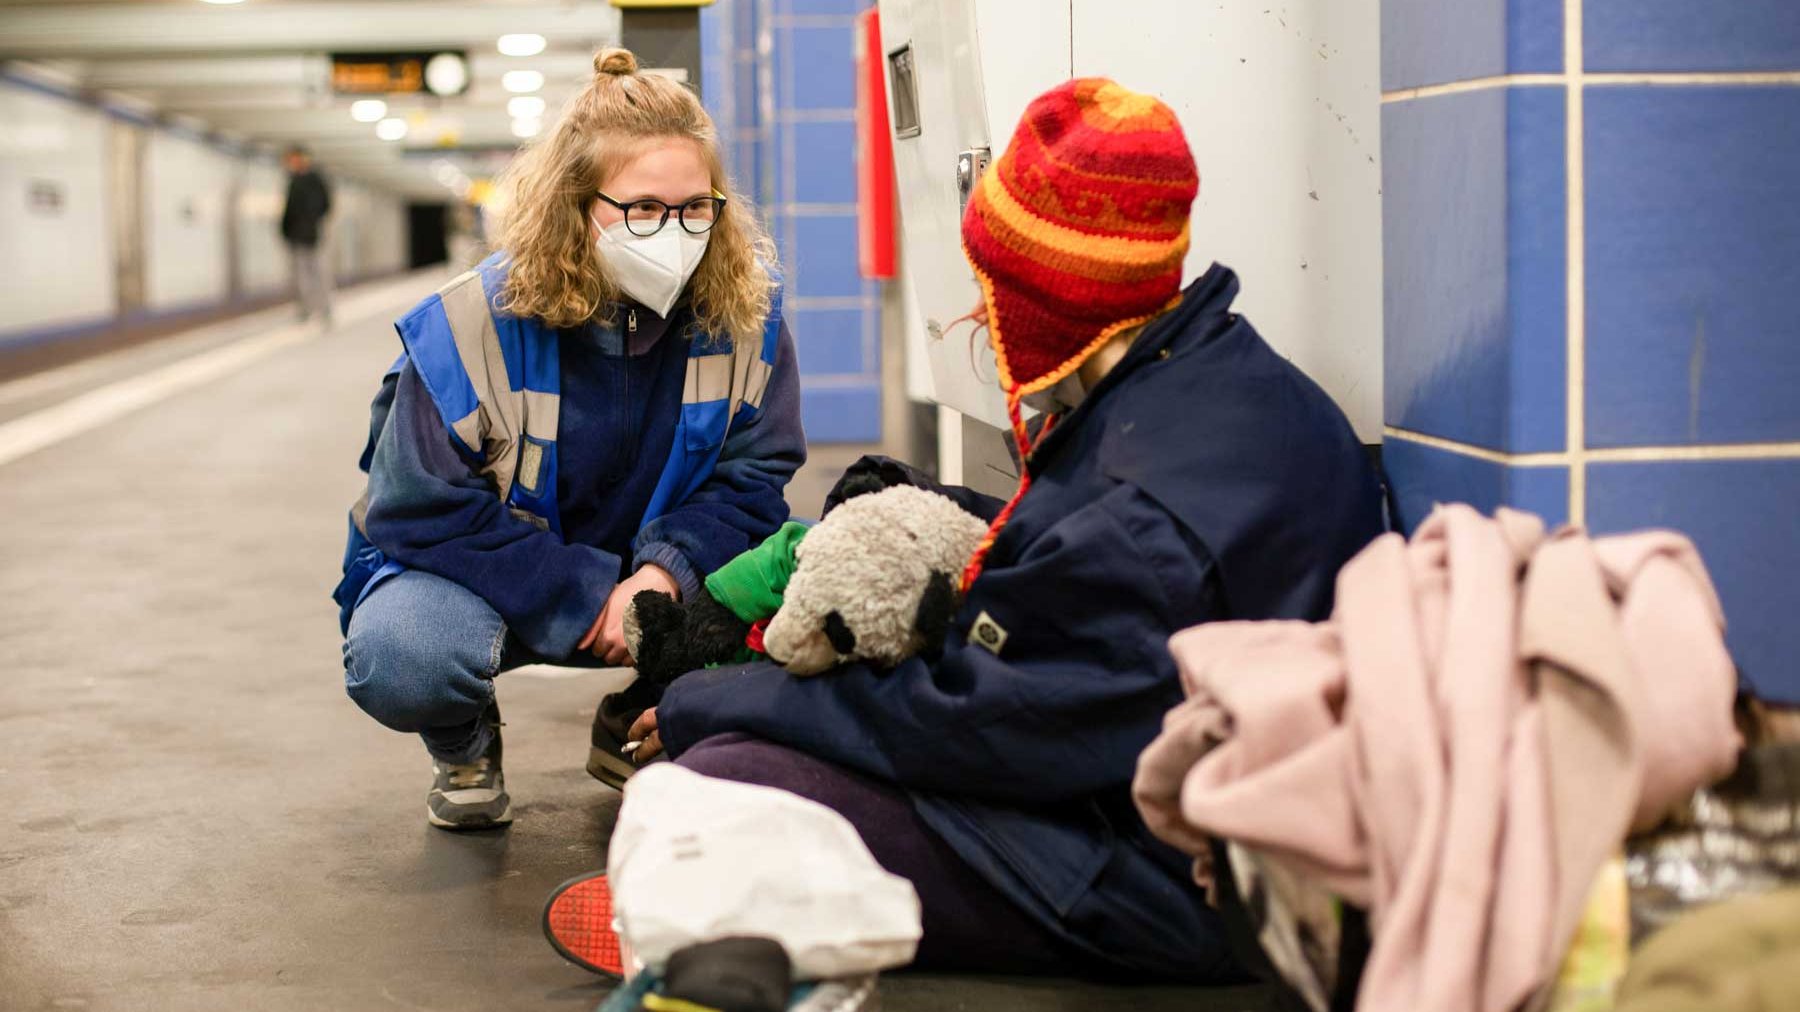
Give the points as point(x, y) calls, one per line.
point(578, 921)
point(607, 760)
point(748, 974)
point(471, 795)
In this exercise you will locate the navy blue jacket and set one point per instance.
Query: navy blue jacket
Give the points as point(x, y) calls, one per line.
point(430, 509)
point(1204, 478)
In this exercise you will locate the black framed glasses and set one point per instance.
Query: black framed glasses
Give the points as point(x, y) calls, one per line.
point(646, 216)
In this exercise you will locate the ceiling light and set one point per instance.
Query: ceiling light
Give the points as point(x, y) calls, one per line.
point(222, 3)
point(368, 110)
point(523, 128)
point(521, 45)
point(391, 129)
point(446, 74)
point(517, 81)
point(525, 107)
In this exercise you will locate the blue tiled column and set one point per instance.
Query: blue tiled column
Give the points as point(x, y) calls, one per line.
point(780, 81)
point(1592, 243)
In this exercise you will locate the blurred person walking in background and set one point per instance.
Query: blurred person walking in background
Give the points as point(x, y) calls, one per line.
point(308, 202)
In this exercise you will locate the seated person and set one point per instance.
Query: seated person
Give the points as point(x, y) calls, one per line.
point(1187, 473)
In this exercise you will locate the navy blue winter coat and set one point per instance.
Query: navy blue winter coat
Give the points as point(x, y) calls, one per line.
point(1205, 478)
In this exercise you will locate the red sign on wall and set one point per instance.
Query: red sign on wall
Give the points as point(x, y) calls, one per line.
point(875, 241)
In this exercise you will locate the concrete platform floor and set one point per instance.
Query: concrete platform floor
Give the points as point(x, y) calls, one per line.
point(194, 816)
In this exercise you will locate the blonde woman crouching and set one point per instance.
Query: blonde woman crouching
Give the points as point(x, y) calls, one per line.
point(609, 404)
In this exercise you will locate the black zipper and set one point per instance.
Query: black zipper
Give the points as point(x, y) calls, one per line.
point(627, 457)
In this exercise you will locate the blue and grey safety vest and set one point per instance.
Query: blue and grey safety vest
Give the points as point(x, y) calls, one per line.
point(495, 380)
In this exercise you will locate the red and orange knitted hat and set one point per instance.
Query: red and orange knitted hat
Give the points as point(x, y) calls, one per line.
point(1078, 231)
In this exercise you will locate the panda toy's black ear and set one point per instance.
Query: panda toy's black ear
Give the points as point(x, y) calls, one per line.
point(936, 606)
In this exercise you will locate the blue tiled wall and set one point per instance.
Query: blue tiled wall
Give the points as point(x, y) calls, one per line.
point(1743, 514)
point(778, 77)
point(1669, 35)
point(1434, 476)
point(1688, 261)
point(1693, 264)
point(1475, 273)
point(1434, 42)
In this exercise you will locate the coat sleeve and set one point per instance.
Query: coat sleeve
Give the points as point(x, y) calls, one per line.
point(743, 501)
point(430, 510)
point(1062, 711)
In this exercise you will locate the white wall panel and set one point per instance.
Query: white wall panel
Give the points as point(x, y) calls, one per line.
point(1026, 49)
point(367, 232)
point(56, 251)
point(186, 189)
point(1282, 108)
point(385, 243)
point(262, 256)
point(343, 230)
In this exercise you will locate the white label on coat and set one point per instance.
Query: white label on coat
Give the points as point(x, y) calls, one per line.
point(988, 634)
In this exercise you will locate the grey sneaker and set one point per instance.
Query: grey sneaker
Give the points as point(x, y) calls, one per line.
point(470, 795)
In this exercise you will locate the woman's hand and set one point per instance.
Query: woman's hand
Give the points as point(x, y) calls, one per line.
point(644, 730)
point(606, 637)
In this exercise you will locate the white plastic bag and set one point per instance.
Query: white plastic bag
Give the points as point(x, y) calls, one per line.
point(694, 859)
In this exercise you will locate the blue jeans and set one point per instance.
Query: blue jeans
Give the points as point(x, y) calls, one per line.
point(421, 657)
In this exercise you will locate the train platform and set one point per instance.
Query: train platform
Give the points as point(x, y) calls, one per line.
point(196, 816)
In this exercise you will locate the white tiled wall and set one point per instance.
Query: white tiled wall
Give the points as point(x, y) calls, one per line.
point(262, 260)
point(1281, 105)
point(201, 207)
point(186, 186)
point(366, 232)
point(55, 251)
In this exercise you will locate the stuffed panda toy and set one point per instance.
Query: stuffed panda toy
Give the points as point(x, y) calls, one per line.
point(876, 580)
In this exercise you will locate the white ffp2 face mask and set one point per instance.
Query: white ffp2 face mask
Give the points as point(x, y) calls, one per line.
point(652, 269)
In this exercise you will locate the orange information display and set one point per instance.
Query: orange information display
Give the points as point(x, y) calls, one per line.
point(437, 72)
point(875, 243)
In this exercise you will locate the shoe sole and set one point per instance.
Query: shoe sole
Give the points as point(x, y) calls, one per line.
point(611, 770)
point(578, 921)
point(503, 819)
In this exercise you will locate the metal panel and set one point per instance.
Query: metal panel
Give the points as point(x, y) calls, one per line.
point(1282, 107)
point(938, 38)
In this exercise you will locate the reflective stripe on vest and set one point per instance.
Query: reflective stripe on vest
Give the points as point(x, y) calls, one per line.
point(496, 383)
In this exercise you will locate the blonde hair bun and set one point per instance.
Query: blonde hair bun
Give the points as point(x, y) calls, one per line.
point(615, 62)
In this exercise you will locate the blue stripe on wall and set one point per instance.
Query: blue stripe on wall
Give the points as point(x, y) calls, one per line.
point(798, 158)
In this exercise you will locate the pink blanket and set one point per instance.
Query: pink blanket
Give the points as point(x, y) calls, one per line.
point(1487, 714)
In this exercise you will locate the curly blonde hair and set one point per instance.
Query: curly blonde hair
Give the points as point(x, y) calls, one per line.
point(554, 271)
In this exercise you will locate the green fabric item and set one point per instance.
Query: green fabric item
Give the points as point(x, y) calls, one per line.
point(752, 584)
